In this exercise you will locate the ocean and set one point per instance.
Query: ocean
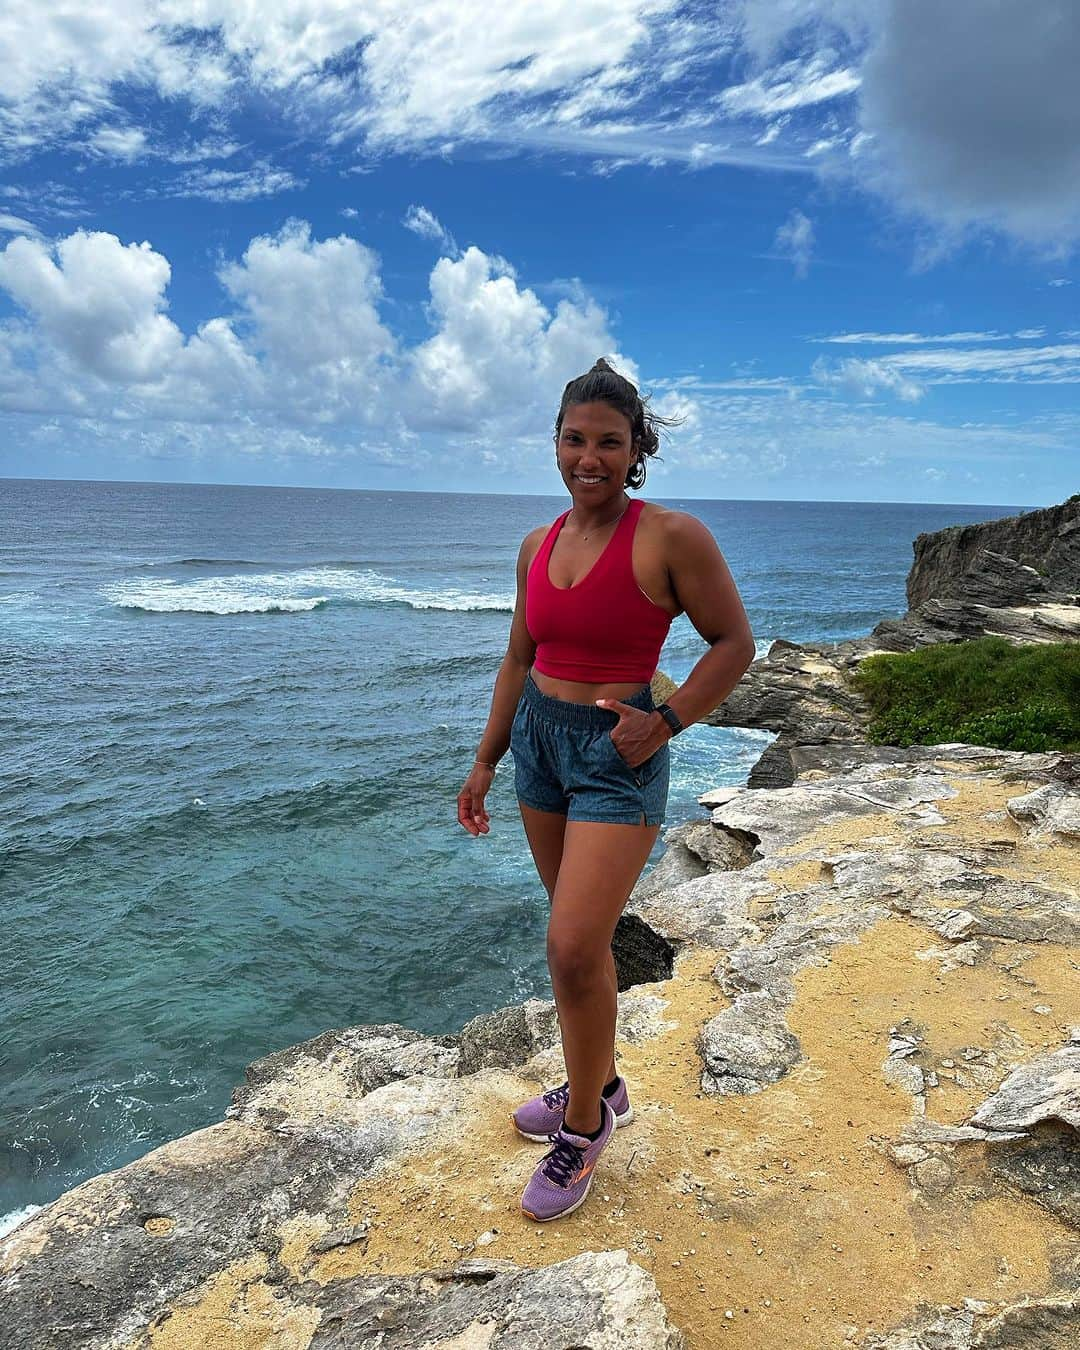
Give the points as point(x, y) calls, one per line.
point(233, 725)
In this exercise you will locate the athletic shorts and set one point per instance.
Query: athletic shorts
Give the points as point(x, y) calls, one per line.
point(566, 761)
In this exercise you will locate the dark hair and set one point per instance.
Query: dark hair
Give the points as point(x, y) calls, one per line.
point(602, 384)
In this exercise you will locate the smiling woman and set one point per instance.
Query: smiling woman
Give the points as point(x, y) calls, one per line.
point(597, 591)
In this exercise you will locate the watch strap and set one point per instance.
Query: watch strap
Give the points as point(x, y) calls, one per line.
point(671, 717)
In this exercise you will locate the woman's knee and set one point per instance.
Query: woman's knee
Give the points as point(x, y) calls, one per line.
point(576, 965)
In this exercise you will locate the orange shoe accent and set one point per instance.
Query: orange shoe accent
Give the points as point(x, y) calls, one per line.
point(584, 1172)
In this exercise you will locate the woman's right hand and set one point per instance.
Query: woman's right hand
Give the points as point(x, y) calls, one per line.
point(470, 800)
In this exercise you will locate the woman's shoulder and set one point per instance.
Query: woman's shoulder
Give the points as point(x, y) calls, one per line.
point(675, 534)
point(666, 520)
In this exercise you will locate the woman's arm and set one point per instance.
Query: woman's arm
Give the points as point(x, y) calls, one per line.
point(509, 683)
point(705, 588)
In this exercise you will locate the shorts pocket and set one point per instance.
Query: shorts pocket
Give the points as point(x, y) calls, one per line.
point(613, 753)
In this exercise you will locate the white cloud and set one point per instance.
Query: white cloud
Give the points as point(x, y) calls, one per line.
point(795, 240)
point(10, 224)
point(126, 143)
point(867, 378)
point(98, 302)
point(427, 225)
point(1058, 364)
point(907, 372)
point(966, 112)
point(232, 185)
point(498, 356)
point(914, 339)
point(754, 436)
point(313, 309)
point(795, 84)
point(305, 345)
point(963, 115)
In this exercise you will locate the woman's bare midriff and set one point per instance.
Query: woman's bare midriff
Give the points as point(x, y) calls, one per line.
point(575, 691)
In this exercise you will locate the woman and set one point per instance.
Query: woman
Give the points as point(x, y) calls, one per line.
point(596, 593)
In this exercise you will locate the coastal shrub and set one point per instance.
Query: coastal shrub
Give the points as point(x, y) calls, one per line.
point(982, 692)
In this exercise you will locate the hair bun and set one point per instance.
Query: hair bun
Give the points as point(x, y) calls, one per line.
point(602, 365)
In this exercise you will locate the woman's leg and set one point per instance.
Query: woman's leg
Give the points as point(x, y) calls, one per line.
point(545, 831)
point(600, 864)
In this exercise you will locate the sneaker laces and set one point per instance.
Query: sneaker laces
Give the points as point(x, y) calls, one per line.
point(563, 1159)
point(557, 1096)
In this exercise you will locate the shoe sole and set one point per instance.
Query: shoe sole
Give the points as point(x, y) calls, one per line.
point(546, 1218)
point(624, 1119)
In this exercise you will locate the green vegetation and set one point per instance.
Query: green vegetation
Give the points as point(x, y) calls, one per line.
point(982, 692)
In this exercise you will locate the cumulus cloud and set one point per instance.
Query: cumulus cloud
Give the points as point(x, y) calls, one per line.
point(305, 343)
point(97, 301)
point(498, 354)
point(974, 112)
point(795, 240)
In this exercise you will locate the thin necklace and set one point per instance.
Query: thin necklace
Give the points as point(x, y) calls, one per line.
point(606, 523)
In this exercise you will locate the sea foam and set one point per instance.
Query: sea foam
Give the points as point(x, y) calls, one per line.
point(291, 592)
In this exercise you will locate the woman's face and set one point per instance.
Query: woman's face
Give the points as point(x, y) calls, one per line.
point(594, 443)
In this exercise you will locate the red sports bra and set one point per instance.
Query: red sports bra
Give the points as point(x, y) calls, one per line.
point(604, 629)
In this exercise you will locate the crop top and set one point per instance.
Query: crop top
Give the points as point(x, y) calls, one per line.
point(604, 629)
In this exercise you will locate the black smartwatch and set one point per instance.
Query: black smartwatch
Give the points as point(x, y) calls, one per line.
point(670, 716)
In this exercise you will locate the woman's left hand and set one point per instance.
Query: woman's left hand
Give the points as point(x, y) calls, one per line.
point(638, 734)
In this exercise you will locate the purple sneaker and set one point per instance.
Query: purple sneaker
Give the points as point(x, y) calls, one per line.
point(565, 1172)
point(541, 1116)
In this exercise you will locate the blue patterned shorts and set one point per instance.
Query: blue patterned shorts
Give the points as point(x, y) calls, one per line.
point(566, 761)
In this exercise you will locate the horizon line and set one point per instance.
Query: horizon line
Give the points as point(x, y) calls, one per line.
point(436, 492)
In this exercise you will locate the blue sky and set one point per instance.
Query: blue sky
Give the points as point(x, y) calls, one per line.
point(365, 244)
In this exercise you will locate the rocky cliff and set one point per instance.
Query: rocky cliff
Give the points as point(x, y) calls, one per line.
point(854, 1059)
point(950, 563)
point(1018, 578)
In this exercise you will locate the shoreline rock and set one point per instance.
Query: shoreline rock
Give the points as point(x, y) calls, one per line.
point(1017, 578)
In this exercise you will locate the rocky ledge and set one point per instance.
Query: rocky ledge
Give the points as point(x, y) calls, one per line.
point(1017, 578)
point(853, 1051)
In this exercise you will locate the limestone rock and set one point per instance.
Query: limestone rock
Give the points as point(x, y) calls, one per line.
point(1035, 1324)
point(1045, 1088)
point(1050, 809)
point(599, 1299)
point(352, 1062)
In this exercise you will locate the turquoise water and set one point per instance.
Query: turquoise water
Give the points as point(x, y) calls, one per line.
point(233, 724)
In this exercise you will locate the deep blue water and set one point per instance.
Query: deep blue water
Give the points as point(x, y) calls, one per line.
point(233, 724)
